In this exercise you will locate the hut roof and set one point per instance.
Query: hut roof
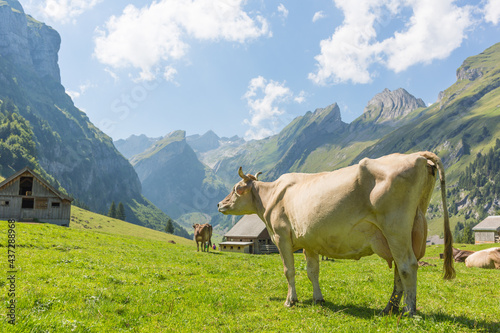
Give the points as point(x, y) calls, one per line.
point(41, 180)
point(491, 223)
point(249, 226)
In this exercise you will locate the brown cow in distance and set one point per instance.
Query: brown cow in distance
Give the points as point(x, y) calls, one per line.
point(203, 234)
point(461, 255)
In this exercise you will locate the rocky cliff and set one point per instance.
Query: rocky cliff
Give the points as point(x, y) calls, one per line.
point(28, 43)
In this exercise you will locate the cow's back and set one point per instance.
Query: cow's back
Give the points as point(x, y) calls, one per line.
point(346, 207)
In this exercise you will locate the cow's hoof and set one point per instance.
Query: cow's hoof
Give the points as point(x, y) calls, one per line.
point(290, 303)
point(390, 310)
point(319, 301)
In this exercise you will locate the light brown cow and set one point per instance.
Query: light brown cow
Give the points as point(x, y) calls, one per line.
point(489, 258)
point(376, 206)
point(203, 234)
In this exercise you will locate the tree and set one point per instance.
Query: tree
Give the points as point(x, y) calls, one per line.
point(112, 210)
point(169, 229)
point(120, 212)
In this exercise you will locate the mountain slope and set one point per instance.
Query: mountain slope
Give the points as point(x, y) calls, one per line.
point(175, 180)
point(68, 149)
point(134, 145)
point(464, 122)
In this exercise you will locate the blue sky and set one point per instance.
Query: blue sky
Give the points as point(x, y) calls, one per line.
point(248, 68)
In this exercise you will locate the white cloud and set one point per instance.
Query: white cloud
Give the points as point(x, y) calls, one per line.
point(301, 98)
point(318, 16)
point(81, 90)
point(147, 37)
point(492, 11)
point(282, 10)
point(434, 30)
point(112, 74)
point(62, 11)
point(265, 99)
point(169, 73)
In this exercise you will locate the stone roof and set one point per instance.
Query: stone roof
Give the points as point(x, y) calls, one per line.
point(491, 223)
point(249, 226)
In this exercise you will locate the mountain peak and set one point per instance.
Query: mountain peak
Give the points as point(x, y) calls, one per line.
point(389, 106)
point(205, 142)
point(16, 5)
point(27, 42)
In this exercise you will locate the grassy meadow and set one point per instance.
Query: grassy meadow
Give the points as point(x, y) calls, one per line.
point(104, 275)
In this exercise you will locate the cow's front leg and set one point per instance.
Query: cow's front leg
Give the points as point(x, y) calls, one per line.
point(197, 246)
point(285, 247)
point(397, 293)
point(313, 275)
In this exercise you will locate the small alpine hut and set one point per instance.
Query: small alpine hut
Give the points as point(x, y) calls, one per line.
point(248, 235)
point(26, 197)
point(487, 231)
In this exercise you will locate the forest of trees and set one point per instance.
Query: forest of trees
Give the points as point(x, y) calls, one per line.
point(17, 146)
point(481, 180)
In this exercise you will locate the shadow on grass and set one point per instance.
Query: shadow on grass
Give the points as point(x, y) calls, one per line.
point(464, 321)
point(370, 313)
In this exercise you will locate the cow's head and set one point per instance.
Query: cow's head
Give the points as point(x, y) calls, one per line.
point(240, 201)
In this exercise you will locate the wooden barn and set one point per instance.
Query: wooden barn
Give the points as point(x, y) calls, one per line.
point(487, 231)
point(248, 235)
point(26, 197)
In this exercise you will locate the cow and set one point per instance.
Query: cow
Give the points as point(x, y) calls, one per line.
point(461, 255)
point(489, 258)
point(376, 206)
point(203, 234)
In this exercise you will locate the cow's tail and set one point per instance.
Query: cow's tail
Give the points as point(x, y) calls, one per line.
point(449, 271)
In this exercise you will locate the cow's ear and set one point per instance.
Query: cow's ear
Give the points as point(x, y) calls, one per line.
point(240, 189)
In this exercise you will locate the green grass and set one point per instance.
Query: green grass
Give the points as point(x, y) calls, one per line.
point(83, 219)
point(91, 280)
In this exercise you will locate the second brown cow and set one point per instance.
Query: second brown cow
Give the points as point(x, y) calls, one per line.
point(203, 235)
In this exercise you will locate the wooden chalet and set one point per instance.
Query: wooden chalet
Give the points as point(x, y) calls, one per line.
point(26, 197)
point(248, 235)
point(487, 231)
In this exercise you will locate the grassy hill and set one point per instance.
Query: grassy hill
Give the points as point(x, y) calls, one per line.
point(82, 219)
point(100, 276)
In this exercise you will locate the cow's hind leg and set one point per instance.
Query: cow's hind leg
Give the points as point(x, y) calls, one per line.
point(397, 294)
point(407, 266)
point(313, 274)
point(285, 248)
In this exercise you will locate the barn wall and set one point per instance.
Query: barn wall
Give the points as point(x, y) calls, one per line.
point(47, 206)
point(12, 188)
point(235, 248)
point(482, 237)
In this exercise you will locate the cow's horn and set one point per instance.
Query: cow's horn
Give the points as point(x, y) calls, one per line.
point(257, 175)
point(242, 175)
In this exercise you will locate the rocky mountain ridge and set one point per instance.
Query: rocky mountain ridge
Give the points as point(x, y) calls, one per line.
point(389, 106)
